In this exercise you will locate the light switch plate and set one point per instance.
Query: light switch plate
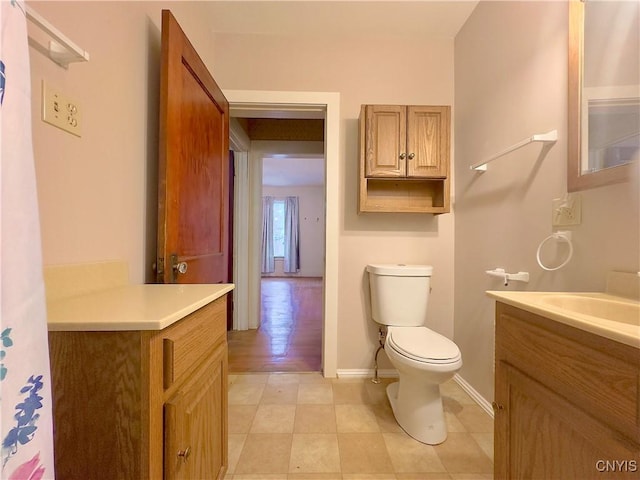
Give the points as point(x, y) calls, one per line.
point(59, 110)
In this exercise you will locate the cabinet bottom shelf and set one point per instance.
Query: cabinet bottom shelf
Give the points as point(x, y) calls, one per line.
point(406, 195)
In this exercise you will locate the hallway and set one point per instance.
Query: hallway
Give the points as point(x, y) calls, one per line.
point(290, 335)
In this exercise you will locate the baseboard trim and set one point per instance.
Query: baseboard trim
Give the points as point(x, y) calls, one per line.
point(392, 373)
point(366, 373)
point(473, 393)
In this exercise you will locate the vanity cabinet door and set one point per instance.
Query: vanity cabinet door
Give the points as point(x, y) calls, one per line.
point(540, 434)
point(566, 401)
point(195, 424)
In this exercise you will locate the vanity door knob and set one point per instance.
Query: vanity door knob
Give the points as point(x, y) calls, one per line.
point(184, 454)
point(402, 156)
point(412, 156)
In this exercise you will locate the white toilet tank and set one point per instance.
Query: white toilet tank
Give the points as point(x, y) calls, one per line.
point(399, 294)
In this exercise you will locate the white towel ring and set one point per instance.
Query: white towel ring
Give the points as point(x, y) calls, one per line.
point(559, 236)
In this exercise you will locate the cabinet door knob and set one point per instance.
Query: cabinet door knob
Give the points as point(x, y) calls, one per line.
point(184, 454)
point(412, 156)
point(497, 406)
point(402, 156)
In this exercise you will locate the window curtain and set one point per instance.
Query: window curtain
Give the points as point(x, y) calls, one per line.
point(268, 264)
point(291, 236)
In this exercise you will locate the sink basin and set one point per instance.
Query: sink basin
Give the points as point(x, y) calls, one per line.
point(604, 307)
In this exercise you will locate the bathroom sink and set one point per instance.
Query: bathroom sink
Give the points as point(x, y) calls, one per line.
point(612, 314)
point(601, 306)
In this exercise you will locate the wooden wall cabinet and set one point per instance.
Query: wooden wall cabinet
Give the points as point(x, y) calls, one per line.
point(404, 158)
point(142, 404)
point(566, 401)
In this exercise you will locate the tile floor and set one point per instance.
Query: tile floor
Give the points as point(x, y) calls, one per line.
point(301, 426)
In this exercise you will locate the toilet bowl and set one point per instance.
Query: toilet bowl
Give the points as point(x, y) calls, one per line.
point(422, 367)
point(423, 358)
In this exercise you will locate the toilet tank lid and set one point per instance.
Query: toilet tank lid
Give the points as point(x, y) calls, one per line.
point(400, 270)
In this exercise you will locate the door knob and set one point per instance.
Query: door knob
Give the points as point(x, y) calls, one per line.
point(177, 267)
point(412, 156)
point(402, 156)
point(181, 267)
point(497, 407)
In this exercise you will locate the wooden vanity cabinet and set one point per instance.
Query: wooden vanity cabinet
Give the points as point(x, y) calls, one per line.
point(404, 158)
point(142, 404)
point(566, 401)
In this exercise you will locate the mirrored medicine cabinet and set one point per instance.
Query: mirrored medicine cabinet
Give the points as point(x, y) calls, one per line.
point(604, 92)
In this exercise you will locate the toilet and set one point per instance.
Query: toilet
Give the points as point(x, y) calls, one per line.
point(423, 358)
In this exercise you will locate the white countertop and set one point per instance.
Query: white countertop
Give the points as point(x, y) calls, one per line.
point(627, 333)
point(131, 307)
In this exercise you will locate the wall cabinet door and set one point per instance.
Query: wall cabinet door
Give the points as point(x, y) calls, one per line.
point(195, 424)
point(406, 141)
point(428, 141)
point(385, 140)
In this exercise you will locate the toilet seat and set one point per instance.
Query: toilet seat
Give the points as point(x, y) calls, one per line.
point(422, 344)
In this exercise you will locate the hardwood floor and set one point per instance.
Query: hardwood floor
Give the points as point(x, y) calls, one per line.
point(290, 335)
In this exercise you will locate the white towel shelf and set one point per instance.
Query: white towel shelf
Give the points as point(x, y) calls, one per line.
point(549, 137)
point(61, 50)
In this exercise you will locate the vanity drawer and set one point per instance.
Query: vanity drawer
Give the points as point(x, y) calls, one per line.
point(588, 370)
point(186, 343)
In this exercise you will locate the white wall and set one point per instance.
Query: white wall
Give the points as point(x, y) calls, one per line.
point(364, 69)
point(511, 82)
point(311, 216)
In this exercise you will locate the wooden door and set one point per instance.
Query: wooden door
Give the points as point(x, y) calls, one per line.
point(428, 141)
point(193, 205)
point(195, 424)
point(385, 140)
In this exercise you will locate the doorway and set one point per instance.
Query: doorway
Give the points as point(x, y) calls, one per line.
point(247, 177)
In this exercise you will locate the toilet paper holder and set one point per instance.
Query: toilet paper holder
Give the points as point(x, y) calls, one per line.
point(507, 277)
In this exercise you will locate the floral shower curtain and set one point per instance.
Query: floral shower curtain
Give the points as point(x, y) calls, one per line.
point(25, 381)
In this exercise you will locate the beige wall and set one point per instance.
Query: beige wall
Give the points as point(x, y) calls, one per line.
point(380, 69)
point(511, 77)
point(311, 212)
point(97, 193)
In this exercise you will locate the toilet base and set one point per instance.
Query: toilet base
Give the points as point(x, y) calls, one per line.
point(418, 410)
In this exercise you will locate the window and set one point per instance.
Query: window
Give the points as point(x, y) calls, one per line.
point(278, 228)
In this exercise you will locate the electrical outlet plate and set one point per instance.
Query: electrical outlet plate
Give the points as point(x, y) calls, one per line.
point(566, 211)
point(59, 110)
